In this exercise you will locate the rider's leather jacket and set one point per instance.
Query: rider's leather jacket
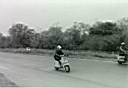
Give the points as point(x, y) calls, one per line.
point(58, 54)
point(122, 50)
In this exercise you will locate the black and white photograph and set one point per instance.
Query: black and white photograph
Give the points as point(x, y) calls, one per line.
point(64, 43)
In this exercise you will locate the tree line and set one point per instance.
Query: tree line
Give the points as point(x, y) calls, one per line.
point(101, 36)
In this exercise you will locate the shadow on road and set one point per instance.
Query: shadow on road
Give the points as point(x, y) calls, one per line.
point(4, 82)
point(123, 65)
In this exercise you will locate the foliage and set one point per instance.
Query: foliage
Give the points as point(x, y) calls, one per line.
point(101, 36)
point(21, 36)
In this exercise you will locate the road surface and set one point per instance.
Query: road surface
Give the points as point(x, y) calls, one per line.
point(38, 71)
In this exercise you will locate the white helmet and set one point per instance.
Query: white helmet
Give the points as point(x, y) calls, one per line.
point(122, 43)
point(59, 47)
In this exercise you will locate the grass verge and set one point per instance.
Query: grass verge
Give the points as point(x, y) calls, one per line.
point(71, 53)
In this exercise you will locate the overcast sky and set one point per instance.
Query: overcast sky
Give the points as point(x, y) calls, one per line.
point(41, 14)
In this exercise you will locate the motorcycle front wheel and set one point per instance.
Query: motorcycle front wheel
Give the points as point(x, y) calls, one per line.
point(67, 68)
point(120, 62)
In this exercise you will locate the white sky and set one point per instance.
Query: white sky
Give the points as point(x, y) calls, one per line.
point(41, 14)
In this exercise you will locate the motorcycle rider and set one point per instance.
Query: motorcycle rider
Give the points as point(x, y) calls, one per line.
point(58, 54)
point(122, 51)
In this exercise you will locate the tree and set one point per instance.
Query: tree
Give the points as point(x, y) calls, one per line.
point(76, 35)
point(102, 36)
point(123, 25)
point(51, 38)
point(35, 40)
point(107, 36)
point(104, 28)
point(21, 36)
point(4, 41)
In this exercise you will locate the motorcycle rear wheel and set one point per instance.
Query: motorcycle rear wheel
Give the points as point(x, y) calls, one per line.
point(56, 68)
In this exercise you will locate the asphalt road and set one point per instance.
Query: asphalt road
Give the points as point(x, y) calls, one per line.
point(38, 71)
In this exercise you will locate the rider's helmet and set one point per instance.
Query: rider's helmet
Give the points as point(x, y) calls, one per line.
point(122, 43)
point(59, 47)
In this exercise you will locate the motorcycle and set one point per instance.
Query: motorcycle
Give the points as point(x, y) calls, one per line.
point(65, 66)
point(122, 59)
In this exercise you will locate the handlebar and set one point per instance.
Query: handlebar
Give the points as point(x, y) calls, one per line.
point(65, 55)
